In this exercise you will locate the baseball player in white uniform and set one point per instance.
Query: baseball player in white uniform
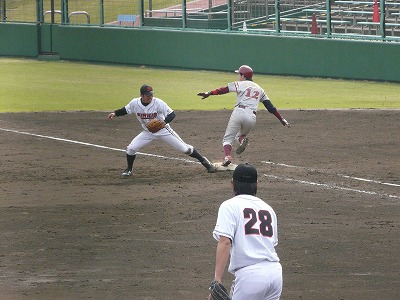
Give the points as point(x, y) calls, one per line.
point(146, 108)
point(247, 230)
point(244, 115)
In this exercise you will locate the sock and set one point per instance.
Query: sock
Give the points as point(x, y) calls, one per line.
point(227, 149)
point(130, 159)
point(197, 155)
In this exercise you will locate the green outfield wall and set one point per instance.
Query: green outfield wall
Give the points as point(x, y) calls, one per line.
point(19, 40)
point(213, 50)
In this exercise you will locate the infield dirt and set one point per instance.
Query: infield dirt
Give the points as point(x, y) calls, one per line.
point(72, 228)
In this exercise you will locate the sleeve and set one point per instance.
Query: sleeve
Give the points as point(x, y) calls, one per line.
point(233, 86)
point(120, 112)
point(272, 109)
point(264, 96)
point(220, 91)
point(226, 222)
point(131, 106)
point(275, 220)
point(169, 117)
point(164, 108)
point(269, 106)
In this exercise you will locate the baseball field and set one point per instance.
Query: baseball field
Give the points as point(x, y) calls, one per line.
point(72, 228)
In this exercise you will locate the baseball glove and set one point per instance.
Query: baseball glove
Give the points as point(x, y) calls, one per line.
point(155, 125)
point(218, 291)
point(204, 95)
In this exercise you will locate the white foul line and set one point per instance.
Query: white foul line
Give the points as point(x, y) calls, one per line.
point(94, 145)
point(330, 186)
point(190, 161)
point(341, 175)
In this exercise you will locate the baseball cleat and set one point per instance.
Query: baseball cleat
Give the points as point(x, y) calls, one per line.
point(209, 166)
point(127, 172)
point(227, 161)
point(242, 146)
point(211, 169)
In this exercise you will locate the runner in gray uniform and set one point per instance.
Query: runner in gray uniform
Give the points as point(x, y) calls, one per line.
point(243, 117)
point(145, 109)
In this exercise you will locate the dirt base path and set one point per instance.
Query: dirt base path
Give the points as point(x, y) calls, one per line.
point(72, 228)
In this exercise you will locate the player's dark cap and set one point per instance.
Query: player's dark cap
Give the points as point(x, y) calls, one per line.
point(146, 90)
point(245, 173)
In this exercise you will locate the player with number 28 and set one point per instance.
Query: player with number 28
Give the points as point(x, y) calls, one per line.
point(247, 230)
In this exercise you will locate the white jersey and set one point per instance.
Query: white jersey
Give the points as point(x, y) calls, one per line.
point(251, 224)
point(156, 109)
point(248, 93)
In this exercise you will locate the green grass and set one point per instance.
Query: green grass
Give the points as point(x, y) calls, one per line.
point(28, 85)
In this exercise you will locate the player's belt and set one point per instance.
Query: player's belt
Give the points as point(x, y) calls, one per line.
point(243, 106)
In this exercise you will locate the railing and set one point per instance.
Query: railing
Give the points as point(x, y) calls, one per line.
point(259, 17)
point(74, 13)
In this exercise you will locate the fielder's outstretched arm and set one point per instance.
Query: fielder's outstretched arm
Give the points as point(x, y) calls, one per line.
point(220, 91)
point(118, 113)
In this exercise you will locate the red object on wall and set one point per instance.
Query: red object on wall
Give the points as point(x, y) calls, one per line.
point(375, 16)
point(314, 26)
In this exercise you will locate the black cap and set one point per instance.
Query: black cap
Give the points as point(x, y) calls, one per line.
point(245, 173)
point(146, 90)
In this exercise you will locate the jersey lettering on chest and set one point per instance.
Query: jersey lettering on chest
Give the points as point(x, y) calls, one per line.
point(146, 116)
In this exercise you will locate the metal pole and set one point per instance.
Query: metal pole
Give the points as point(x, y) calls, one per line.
point(64, 11)
point(184, 15)
point(3, 10)
point(150, 8)
point(277, 17)
point(382, 19)
point(101, 12)
point(39, 21)
point(141, 13)
point(52, 11)
point(39, 11)
point(328, 18)
point(229, 15)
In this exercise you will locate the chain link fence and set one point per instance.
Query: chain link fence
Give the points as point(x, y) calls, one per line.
point(18, 11)
point(162, 13)
point(258, 16)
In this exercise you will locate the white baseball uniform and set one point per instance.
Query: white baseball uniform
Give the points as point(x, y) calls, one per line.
point(251, 225)
point(243, 117)
point(156, 109)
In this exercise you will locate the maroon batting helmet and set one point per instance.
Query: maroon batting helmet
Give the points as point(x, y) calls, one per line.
point(246, 71)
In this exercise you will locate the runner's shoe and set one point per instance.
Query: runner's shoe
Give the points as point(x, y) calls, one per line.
point(209, 166)
point(127, 172)
point(227, 161)
point(242, 146)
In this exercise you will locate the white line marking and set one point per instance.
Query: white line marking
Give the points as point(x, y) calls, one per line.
point(190, 161)
point(97, 146)
point(341, 175)
point(331, 186)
